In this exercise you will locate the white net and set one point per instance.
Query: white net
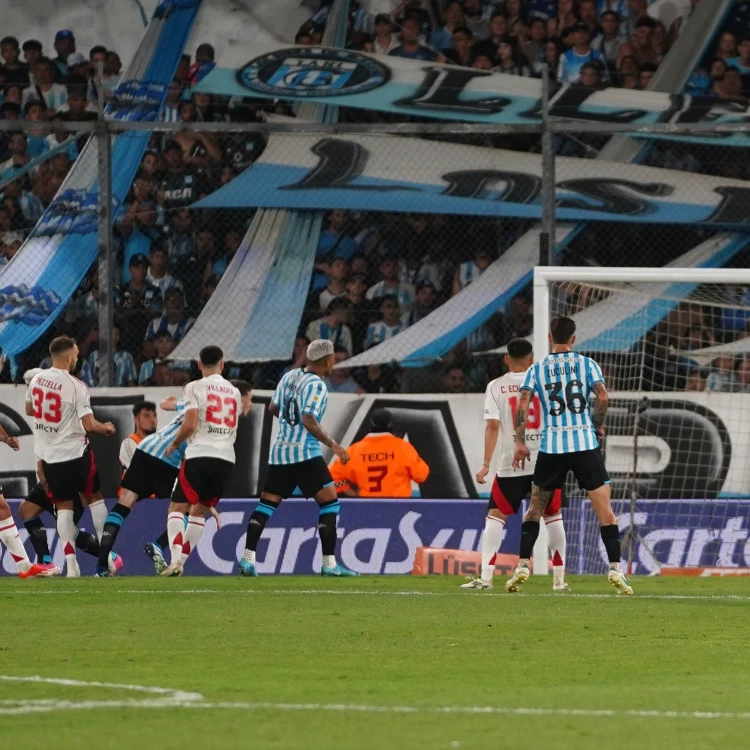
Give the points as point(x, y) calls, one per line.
point(676, 357)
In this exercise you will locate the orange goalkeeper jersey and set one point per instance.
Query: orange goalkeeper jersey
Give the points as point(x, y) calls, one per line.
point(380, 465)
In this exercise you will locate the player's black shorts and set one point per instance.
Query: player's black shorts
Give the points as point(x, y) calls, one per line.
point(587, 466)
point(310, 476)
point(148, 475)
point(202, 480)
point(508, 494)
point(68, 479)
point(38, 495)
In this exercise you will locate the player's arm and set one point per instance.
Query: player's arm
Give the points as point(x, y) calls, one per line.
point(187, 428)
point(491, 433)
point(11, 442)
point(311, 424)
point(91, 424)
point(169, 404)
point(599, 408)
point(274, 409)
point(522, 452)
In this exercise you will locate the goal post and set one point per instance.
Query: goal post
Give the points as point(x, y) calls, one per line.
point(674, 345)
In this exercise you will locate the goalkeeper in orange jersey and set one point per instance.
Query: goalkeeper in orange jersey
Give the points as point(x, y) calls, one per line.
point(381, 464)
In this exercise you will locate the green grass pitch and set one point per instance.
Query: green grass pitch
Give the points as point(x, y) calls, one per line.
point(373, 662)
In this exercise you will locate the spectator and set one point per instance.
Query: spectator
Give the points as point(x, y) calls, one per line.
point(742, 375)
point(533, 47)
point(696, 380)
point(204, 62)
point(648, 70)
point(581, 53)
point(138, 226)
point(17, 145)
point(368, 474)
point(171, 109)
point(181, 184)
point(338, 273)
point(32, 51)
point(390, 284)
point(12, 241)
point(158, 271)
point(385, 40)
point(162, 376)
point(334, 325)
point(13, 70)
point(54, 95)
point(196, 267)
point(727, 46)
point(565, 20)
point(179, 242)
point(637, 11)
point(425, 302)
point(643, 42)
point(587, 14)
point(609, 40)
point(591, 75)
point(454, 380)
point(377, 379)
point(125, 372)
point(628, 74)
point(442, 38)
point(174, 320)
point(389, 325)
point(410, 46)
point(553, 50)
point(361, 310)
point(10, 111)
point(163, 346)
point(460, 52)
point(508, 61)
point(471, 270)
point(730, 87)
point(199, 148)
point(334, 240)
point(477, 18)
point(742, 61)
point(514, 11)
point(519, 322)
point(139, 302)
point(481, 62)
point(65, 45)
point(340, 380)
point(207, 291)
point(112, 67)
point(721, 376)
point(78, 65)
point(34, 111)
point(232, 242)
point(29, 205)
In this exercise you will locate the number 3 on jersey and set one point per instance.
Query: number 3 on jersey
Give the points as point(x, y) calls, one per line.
point(534, 417)
point(53, 411)
point(215, 411)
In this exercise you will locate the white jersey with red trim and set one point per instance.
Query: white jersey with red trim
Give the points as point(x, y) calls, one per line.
point(59, 402)
point(500, 402)
point(219, 406)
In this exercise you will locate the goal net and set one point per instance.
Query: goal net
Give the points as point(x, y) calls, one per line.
point(674, 347)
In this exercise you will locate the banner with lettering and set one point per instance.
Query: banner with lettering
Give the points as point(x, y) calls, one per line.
point(388, 173)
point(447, 92)
point(37, 284)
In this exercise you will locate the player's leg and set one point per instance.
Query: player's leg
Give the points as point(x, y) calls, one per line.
point(30, 512)
point(316, 481)
point(65, 484)
point(592, 476)
point(90, 490)
point(10, 538)
point(177, 520)
point(556, 541)
point(112, 525)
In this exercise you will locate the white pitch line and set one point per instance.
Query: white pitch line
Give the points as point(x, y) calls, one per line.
point(359, 592)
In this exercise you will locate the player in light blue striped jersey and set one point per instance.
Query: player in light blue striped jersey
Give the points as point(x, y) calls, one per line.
point(151, 473)
point(565, 383)
point(296, 459)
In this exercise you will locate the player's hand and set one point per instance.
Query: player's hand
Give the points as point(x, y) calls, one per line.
point(521, 455)
point(342, 453)
point(13, 443)
point(109, 429)
point(601, 432)
point(215, 513)
point(482, 474)
point(171, 448)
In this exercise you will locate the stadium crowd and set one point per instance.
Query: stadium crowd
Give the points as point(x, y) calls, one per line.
point(375, 274)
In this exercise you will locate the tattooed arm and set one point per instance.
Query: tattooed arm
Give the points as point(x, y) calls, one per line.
point(599, 408)
point(521, 453)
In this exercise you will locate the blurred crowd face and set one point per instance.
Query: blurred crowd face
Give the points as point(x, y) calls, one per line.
point(455, 380)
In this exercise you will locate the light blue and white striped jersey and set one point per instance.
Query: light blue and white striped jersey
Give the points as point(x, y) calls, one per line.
point(156, 444)
point(297, 393)
point(468, 272)
point(379, 332)
point(564, 383)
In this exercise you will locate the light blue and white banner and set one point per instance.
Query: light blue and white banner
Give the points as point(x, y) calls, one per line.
point(445, 92)
point(37, 284)
point(387, 173)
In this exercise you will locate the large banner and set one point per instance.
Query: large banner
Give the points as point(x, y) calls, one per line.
point(388, 173)
point(37, 284)
point(691, 445)
point(445, 92)
point(379, 537)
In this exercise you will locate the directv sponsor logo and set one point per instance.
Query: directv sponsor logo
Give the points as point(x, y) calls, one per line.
point(313, 72)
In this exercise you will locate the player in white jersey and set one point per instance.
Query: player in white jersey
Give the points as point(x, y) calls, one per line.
point(212, 408)
point(511, 486)
point(149, 474)
point(61, 409)
point(296, 460)
point(565, 382)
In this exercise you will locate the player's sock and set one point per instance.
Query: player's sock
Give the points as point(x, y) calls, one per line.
point(176, 534)
point(66, 530)
point(9, 537)
point(38, 539)
point(557, 543)
point(249, 555)
point(99, 516)
point(529, 535)
point(328, 515)
point(611, 538)
point(163, 540)
point(263, 511)
point(111, 529)
point(192, 534)
point(87, 543)
point(492, 538)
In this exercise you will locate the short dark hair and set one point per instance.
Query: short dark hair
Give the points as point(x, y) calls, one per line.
point(464, 30)
point(646, 21)
point(388, 298)
point(519, 348)
point(32, 44)
point(242, 386)
point(338, 303)
point(9, 40)
point(163, 335)
point(143, 406)
point(609, 13)
point(61, 344)
point(562, 329)
point(211, 355)
point(96, 49)
point(207, 48)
